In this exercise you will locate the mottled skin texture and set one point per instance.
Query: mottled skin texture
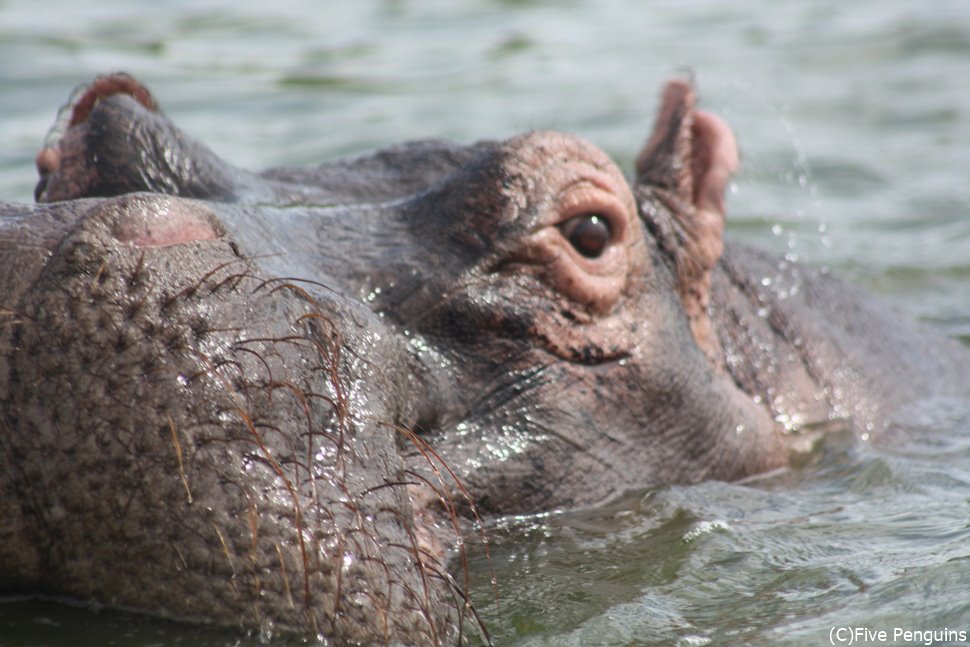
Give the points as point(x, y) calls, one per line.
point(268, 400)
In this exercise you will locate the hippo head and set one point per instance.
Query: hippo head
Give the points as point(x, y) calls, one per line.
point(296, 383)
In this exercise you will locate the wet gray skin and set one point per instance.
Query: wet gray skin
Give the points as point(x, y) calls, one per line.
point(273, 400)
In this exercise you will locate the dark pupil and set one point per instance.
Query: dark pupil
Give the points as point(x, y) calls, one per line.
point(589, 234)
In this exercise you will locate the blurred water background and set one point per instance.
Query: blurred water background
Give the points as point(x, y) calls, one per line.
point(853, 117)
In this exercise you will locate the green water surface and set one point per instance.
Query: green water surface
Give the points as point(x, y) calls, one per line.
point(853, 118)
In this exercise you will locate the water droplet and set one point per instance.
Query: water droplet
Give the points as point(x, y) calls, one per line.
point(791, 422)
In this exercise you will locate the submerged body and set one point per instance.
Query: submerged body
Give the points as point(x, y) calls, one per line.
point(266, 399)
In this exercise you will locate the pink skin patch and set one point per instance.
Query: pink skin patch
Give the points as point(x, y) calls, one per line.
point(161, 221)
point(48, 160)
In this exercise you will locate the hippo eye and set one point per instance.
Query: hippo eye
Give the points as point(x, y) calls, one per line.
point(589, 234)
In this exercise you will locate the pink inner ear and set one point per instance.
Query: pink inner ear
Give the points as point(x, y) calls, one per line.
point(714, 160)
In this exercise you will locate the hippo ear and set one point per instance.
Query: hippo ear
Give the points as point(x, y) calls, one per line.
point(111, 139)
point(682, 173)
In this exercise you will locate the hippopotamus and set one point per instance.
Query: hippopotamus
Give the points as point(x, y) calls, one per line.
point(283, 400)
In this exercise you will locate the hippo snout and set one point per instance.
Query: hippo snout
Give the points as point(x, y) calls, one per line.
point(181, 420)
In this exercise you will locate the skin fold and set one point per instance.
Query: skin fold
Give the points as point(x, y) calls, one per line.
point(274, 400)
